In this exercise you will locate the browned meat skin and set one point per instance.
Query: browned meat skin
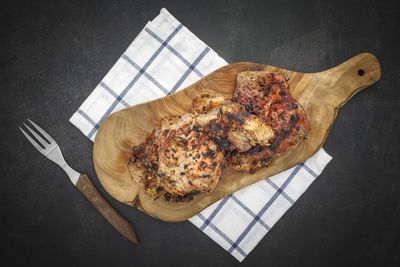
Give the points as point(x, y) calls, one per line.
point(189, 161)
point(267, 95)
point(186, 155)
point(235, 127)
point(205, 103)
point(143, 165)
point(245, 129)
point(179, 161)
point(253, 131)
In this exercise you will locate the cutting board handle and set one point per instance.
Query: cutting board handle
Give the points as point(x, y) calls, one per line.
point(320, 94)
point(348, 78)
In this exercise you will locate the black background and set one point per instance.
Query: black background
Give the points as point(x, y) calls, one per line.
point(53, 53)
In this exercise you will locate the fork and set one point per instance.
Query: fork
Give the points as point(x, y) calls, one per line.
point(50, 149)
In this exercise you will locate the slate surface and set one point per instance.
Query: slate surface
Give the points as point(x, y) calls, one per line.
point(53, 53)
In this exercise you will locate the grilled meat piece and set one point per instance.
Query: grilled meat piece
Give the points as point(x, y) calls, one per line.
point(186, 155)
point(178, 160)
point(245, 129)
point(266, 94)
point(205, 103)
point(236, 127)
point(143, 164)
point(189, 160)
point(254, 131)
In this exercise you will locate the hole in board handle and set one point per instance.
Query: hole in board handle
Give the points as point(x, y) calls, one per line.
point(361, 72)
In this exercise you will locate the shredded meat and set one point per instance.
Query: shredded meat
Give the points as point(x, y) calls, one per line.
point(186, 155)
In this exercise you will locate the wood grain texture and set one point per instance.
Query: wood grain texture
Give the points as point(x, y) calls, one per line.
point(321, 95)
point(86, 187)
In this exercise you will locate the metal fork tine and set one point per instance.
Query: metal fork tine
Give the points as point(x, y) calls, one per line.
point(38, 137)
point(33, 142)
point(48, 137)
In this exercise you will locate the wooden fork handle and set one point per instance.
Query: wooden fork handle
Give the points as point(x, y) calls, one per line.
point(86, 187)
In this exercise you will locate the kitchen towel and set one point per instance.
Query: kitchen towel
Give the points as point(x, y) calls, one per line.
point(164, 58)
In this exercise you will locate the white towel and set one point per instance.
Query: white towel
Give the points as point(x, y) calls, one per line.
point(164, 58)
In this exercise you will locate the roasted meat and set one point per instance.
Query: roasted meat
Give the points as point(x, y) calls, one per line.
point(186, 155)
point(179, 161)
point(143, 164)
point(235, 125)
point(205, 103)
point(267, 96)
point(189, 160)
point(245, 130)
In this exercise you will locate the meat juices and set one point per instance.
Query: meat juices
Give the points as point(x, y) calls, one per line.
point(186, 155)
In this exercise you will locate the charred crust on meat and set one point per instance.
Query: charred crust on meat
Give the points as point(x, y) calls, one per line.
point(266, 93)
point(285, 132)
point(235, 95)
point(294, 118)
point(192, 194)
point(222, 143)
point(276, 102)
point(239, 117)
point(137, 149)
point(159, 189)
point(132, 159)
point(188, 153)
point(272, 147)
point(210, 153)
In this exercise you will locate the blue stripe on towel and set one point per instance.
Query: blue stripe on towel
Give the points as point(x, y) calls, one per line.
point(309, 169)
point(173, 51)
point(214, 213)
point(190, 69)
point(252, 214)
point(221, 234)
point(134, 80)
point(264, 209)
point(114, 94)
point(148, 76)
point(86, 116)
point(277, 188)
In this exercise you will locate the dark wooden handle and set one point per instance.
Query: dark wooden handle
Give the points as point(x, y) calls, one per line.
point(86, 187)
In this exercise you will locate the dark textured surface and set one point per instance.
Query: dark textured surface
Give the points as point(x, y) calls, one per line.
point(53, 53)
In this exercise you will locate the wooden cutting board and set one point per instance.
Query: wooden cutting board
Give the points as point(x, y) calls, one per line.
point(321, 94)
